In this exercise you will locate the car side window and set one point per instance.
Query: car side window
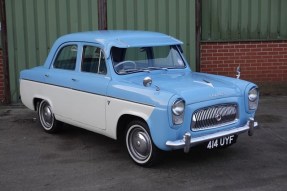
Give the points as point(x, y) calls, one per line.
point(66, 58)
point(93, 60)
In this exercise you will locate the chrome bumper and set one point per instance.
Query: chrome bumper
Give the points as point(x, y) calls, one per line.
point(188, 142)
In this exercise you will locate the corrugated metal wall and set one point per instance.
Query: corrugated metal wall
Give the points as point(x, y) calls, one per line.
point(33, 26)
point(225, 20)
point(173, 17)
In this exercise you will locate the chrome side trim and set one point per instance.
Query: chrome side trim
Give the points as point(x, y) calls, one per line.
point(188, 142)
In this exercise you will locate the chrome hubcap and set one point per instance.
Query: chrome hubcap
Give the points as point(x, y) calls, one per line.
point(139, 143)
point(46, 116)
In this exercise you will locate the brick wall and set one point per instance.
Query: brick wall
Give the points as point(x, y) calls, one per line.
point(2, 98)
point(260, 62)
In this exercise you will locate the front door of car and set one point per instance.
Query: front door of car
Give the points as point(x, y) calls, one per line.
point(91, 83)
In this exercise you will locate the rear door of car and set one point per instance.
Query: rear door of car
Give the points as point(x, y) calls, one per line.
point(78, 79)
point(60, 80)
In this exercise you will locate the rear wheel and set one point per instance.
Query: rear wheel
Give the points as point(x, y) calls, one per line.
point(46, 117)
point(139, 144)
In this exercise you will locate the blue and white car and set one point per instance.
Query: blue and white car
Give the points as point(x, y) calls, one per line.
point(138, 86)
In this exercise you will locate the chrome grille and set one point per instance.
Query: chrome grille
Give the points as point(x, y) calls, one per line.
point(214, 116)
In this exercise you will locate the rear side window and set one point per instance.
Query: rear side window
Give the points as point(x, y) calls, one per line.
point(93, 60)
point(66, 58)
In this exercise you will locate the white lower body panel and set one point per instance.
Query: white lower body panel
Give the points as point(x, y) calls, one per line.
point(86, 110)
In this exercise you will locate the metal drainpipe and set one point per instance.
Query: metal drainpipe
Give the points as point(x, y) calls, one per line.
point(102, 15)
point(7, 95)
point(197, 33)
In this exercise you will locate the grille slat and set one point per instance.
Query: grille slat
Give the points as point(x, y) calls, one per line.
point(214, 116)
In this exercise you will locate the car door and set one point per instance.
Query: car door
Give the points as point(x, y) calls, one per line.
point(91, 84)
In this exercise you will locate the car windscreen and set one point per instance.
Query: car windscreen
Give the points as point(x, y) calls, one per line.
point(137, 59)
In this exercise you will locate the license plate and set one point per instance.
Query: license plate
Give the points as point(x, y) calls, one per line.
point(221, 142)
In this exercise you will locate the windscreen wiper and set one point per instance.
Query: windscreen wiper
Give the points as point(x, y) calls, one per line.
point(156, 68)
point(133, 70)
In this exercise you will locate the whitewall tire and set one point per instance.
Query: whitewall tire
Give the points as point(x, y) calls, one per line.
point(46, 117)
point(140, 145)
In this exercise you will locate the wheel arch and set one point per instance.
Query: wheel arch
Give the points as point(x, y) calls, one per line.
point(36, 101)
point(123, 121)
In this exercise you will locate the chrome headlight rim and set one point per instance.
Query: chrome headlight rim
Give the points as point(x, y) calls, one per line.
point(253, 97)
point(253, 94)
point(177, 110)
point(178, 107)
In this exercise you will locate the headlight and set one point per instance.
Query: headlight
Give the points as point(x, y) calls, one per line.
point(178, 111)
point(253, 94)
point(178, 107)
point(253, 98)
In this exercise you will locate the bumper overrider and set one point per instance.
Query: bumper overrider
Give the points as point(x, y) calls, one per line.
point(188, 142)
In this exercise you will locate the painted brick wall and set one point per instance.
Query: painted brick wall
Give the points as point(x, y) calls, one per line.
point(1, 78)
point(261, 62)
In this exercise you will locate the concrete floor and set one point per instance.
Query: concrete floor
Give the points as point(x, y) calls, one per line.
point(77, 159)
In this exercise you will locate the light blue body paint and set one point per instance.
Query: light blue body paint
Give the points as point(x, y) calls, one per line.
point(167, 86)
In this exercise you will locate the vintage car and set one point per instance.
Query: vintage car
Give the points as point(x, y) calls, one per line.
point(137, 85)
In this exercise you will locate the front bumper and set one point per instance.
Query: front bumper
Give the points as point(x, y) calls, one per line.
point(188, 142)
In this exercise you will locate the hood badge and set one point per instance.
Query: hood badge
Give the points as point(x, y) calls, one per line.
point(219, 94)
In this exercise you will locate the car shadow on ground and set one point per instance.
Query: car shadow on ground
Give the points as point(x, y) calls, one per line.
point(74, 138)
point(77, 140)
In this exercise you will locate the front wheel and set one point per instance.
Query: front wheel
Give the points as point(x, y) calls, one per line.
point(47, 118)
point(139, 144)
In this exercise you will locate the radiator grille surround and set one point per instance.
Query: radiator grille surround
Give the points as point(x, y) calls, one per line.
point(214, 116)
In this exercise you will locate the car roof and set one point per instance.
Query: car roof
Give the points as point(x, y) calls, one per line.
point(121, 38)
